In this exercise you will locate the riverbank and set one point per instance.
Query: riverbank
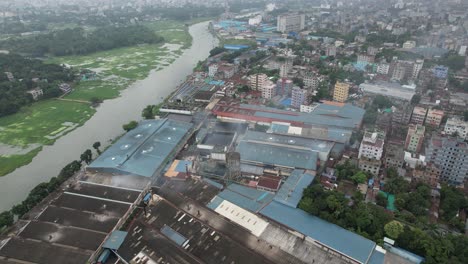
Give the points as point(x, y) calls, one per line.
point(44, 122)
point(106, 124)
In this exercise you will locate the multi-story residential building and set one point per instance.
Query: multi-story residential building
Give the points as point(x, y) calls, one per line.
point(458, 126)
point(341, 92)
point(298, 96)
point(383, 68)
point(363, 58)
point(256, 81)
point(450, 155)
point(268, 90)
point(429, 174)
point(394, 156)
point(440, 72)
point(419, 115)
point(330, 50)
point(417, 66)
point(402, 114)
point(372, 145)
point(415, 138)
point(372, 51)
point(311, 81)
point(371, 166)
point(228, 70)
point(406, 70)
point(284, 86)
point(434, 117)
point(290, 23)
point(212, 70)
point(285, 67)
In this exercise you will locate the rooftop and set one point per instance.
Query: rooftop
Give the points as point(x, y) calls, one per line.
point(328, 234)
point(290, 192)
point(388, 89)
point(244, 197)
point(142, 150)
point(277, 155)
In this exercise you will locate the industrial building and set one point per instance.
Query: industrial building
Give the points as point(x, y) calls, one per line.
point(143, 150)
point(393, 90)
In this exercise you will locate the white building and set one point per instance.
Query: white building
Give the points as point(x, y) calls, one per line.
point(311, 81)
point(372, 145)
point(291, 22)
point(383, 68)
point(268, 90)
point(409, 44)
point(36, 93)
point(213, 69)
point(257, 81)
point(456, 125)
point(254, 21)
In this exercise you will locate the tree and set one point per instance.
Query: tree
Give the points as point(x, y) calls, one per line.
point(6, 219)
point(147, 112)
point(415, 99)
point(96, 146)
point(129, 126)
point(216, 51)
point(87, 156)
point(381, 199)
point(359, 177)
point(393, 229)
point(396, 185)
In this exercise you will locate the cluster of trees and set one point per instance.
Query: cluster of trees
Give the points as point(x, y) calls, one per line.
point(374, 222)
point(379, 102)
point(217, 50)
point(350, 172)
point(452, 201)
point(13, 93)
point(150, 111)
point(454, 61)
point(381, 37)
point(130, 126)
point(16, 27)
point(229, 57)
point(77, 41)
point(323, 92)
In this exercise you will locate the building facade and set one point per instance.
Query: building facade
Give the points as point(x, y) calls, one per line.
point(434, 117)
point(290, 23)
point(341, 92)
point(415, 138)
point(419, 115)
point(450, 155)
point(269, 90)
point(458, 126)
point(284, 86)
point(298, 97)
point(256, 81)
point(372, 145)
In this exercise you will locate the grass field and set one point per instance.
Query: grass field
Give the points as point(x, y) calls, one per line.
point(10, 163)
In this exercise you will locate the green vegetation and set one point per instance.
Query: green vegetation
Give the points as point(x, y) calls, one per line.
point(453, 61)
point(129, 126)
point(10, 163)
point(28, 74)
point(77, 41)
point(393, 229)
point(37, 125)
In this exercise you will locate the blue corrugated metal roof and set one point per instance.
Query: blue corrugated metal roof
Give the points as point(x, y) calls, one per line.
point(244, 197)
point(181, 166)
point(173, 235)
point(406, 255)
point(142, 150)
point(270, 154)
point(377, 257)
point(115, 240)
point(331, 235)
point(215, 184)
point(290, 192)
point(215, 202)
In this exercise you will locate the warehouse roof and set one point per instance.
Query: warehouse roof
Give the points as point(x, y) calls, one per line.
point(290, 192)
point(142, 150)
point(328, 234)
point(244, 197)
point(277, 155)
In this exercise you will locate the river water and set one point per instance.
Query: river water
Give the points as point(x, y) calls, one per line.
point(106, 124)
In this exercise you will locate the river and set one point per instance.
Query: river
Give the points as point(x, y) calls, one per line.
point(106, 124)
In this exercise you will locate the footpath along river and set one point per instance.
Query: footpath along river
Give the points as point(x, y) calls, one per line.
point(106, 124)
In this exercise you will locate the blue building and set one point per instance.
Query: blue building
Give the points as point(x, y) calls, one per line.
point(440, 71)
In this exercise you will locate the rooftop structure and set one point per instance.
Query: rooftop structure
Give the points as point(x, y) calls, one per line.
point(328, 114)
point(142, 150)
point(245, 197)
point(372, 145)
point(291, 191)
point(458, 126)
point(393, 90)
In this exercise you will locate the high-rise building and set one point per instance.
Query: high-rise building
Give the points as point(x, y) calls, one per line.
point(291, 23)
point(383, 68)
point(458, 126)
point(450, 155)
point(415, 138)
point(298, 96)
point(285, 67)
point(257, 81)
point(212, 69)
point(311, 81)
point(284, 86)
point(268, 90)
point(341, 92)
